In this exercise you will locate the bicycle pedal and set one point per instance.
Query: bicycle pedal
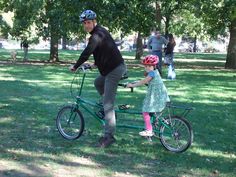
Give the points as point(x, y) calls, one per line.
point(123, 106)
point(100, 114)
point(100, 104)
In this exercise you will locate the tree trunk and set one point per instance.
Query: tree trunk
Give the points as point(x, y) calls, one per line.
point(139, 50)
point(54, 40)
point(64, 42)
point(167, 24)
point(54, 49)
point(158, 15)
point(231, 53)
point(195, 44)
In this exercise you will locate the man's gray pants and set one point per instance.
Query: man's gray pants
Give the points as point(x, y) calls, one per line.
point(107, 88)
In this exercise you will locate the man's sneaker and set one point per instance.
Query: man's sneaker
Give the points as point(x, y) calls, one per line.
point(106, 141)
point(146, 133)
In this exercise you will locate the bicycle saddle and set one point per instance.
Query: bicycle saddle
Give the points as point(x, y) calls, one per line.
point(125, 76)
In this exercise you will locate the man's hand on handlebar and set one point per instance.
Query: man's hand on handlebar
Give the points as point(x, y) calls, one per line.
point(93, 66)
point(83, 67)
point(71, 68)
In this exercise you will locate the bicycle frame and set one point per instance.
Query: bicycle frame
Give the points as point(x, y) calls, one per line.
point(80, 102)
point(173, 130)
point(84, 103)
point(89, 106)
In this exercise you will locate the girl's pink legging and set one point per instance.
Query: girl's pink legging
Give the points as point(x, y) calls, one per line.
point(146, 118)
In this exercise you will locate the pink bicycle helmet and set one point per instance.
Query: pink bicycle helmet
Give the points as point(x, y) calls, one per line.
point(150, 60)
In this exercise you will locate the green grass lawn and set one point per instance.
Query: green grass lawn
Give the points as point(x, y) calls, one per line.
point(32, 93)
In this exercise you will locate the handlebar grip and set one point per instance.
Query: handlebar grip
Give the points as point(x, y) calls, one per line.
point(122, 85)
point(85, 67)
point(125, 86)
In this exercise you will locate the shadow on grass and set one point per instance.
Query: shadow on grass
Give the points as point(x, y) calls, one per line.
point(30, 98)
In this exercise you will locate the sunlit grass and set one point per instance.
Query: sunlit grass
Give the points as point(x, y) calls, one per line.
point(213, 153)
point(198, 60)
point(31, 96)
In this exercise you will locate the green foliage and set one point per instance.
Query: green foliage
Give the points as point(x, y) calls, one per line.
point(4, 28)
point(179, 18)
point(62, 17)
point(217, 15)
point(25, 13)
point(126, 16)
point(171, 8)
point(188, 24)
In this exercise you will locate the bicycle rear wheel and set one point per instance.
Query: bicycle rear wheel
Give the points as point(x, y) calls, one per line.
point(70, 122)
point(176, 134)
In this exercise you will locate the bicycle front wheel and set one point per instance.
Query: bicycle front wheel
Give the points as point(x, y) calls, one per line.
point(70, 122)
point(176, 134)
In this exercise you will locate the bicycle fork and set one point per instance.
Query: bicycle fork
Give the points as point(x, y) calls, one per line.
point(72, 115)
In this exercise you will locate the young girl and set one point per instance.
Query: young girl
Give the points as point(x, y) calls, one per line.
point(156, 96)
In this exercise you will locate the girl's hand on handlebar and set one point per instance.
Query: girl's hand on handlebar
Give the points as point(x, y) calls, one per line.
point(132, 84)
point(129, 85)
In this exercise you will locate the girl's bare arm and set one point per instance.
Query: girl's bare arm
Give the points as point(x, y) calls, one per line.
point(141, 82)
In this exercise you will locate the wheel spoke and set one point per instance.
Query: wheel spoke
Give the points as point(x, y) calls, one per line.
point(70, 123)
point(177, 136)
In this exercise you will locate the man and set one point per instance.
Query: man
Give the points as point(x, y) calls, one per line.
point(155, 43)
point(25, 46)
point(111, 66)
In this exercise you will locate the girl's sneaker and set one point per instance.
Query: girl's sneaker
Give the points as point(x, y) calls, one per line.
point(146, 133)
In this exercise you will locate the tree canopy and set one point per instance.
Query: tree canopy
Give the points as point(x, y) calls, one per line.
point(56, 19)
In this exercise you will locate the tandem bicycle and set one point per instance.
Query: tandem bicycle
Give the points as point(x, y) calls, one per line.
point(173, 130)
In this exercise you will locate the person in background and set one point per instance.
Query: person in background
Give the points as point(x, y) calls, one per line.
point(169, 57)
point(111, 67)
point(25, 46)
point(169, 51)
point(155, 44)
point(156, 96)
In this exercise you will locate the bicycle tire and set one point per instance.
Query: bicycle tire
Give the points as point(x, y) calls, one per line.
point(176, 135)
point(70, 122)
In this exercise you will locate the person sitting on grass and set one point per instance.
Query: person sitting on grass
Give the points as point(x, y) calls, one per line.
point(156, 96)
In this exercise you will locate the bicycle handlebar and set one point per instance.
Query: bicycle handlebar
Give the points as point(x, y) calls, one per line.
point(125, 86)
point(85, 67)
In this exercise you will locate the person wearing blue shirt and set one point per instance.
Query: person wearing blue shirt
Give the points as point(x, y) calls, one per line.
point(155, 44)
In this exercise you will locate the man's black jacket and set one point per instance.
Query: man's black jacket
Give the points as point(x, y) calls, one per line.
point(105, 52)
